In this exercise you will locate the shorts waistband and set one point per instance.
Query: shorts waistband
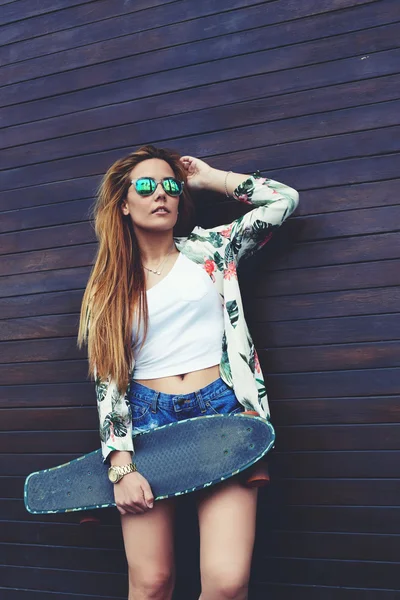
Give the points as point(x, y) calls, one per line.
point(209, 392)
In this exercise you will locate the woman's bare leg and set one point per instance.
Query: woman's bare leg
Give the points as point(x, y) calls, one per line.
point(227, 520)
point(149, 548)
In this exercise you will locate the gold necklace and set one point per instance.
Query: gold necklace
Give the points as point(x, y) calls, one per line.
point(158, 270)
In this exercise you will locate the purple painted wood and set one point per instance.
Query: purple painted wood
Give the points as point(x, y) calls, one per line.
point(309, 94)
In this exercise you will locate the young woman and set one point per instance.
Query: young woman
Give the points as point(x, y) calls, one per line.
point(167, 340)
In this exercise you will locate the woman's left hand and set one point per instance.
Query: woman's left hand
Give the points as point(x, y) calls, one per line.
point(197, 171)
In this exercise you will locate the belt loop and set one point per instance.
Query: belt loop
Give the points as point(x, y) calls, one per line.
point(200, 401)
point(154, 402)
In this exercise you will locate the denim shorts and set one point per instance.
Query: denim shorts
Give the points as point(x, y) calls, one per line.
point(152, 409)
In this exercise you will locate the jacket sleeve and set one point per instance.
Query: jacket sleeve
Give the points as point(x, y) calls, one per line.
point(115, 418)
point(273, 201)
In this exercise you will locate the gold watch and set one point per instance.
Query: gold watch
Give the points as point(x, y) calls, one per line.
point(116, 472)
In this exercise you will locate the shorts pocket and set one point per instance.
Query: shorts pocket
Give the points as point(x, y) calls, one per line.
point(224, 404)
point(139, 409)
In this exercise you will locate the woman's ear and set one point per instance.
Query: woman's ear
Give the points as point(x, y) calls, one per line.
point(124, 208)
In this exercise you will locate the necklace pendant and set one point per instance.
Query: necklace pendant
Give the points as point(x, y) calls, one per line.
point(158, 272)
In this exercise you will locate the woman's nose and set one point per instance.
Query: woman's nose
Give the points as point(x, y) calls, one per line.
point(158, 191)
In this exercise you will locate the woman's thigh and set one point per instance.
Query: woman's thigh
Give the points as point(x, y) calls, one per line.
point(149, 542)
point(227, 522)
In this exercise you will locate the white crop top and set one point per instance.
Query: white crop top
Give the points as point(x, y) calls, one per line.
point(186, 324)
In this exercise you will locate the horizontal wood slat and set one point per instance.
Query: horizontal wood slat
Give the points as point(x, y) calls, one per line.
point(137, 27)
point(57, 557)
point(37, 350)
point(73, 189)
point(278, 81)
point(327, 331)
point(279, 107)
point(363, 195)
point(358, 382)
point(292, 152)
point(14, 510)
point(75, 442)
point(46, 326)
point(57, 579)
point(354, 465)
point(56, 394)
point(52, 419)
point(48, 372)
point(371, 40)
point(23, 9)
point(325, 411)
point(332, 358)
point(20, 594)
point(45, 216)
point(338, 437)
point(359, 248)
point(44, 281)
point(241, 21)
point(85, 17)
point(326, 304)
point(347, 519)
point(305, 592)
point(326, 573)
point(306, 92)
point(280, 132)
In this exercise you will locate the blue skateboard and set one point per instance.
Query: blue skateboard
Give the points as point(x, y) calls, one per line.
point(176, 459)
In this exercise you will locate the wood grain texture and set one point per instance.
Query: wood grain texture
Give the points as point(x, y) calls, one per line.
point(81, 22)
point(309, 93)
point(384, 56)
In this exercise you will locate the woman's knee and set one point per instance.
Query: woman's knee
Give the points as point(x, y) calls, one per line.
point(226, 584)
point(151, 584)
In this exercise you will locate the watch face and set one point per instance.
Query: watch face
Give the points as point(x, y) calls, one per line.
point(113, 476)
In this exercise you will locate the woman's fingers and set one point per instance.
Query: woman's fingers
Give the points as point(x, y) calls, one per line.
point(133, 494)
point(148, 495)
point(135, 509)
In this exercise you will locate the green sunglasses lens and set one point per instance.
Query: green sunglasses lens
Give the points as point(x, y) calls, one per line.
point(145, 186)
point(172, 186)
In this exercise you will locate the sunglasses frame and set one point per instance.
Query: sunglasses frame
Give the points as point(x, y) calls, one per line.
point(133, 181)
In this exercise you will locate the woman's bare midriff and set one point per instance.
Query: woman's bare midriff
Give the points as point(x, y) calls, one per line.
point(184, 383)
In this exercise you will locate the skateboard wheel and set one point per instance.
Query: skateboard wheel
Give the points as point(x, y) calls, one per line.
point(257, 475)
point(89, 521)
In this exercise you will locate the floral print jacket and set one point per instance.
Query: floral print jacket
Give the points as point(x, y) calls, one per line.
point(218, 250)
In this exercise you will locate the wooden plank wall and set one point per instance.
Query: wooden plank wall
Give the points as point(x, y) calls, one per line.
point(306, 91)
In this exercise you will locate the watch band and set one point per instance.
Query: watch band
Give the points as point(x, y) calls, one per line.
point(121, 470)
point(125, 469)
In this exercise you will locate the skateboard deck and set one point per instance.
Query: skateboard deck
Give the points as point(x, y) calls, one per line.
point(176, 459)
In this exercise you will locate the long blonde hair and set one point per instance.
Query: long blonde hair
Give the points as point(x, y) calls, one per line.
point(116, 290)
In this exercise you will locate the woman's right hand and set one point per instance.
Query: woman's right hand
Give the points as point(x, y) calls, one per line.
point(133, 494)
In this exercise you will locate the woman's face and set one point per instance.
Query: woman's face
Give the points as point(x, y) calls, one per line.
point(145, 210)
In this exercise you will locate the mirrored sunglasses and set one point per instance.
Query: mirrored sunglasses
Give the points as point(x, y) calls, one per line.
point(145, 186)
